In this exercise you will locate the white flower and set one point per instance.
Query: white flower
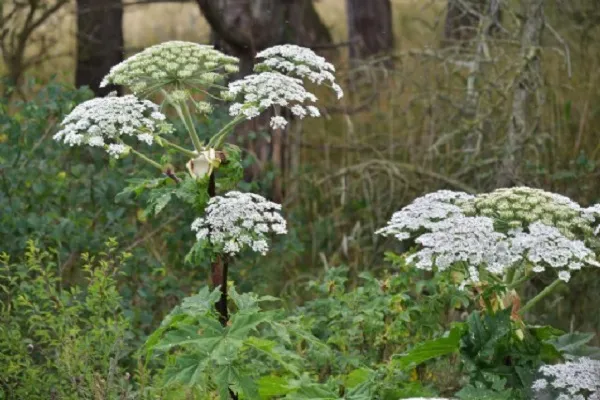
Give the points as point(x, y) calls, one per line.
point(239, 220)
point(146, 138)
point(96, 141)
point(116, 149)
point(495, 231)
point(579, 379)
point(105, 120)
point(278, 122)
point(267, 89)
point(299, 62)
point(545, 245)
point(424, 213)
point(204, 164)
point(470, 241)
point(564, 276)
point(172, 62)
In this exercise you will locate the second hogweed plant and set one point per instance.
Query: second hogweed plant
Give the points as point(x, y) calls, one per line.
point(490, 245)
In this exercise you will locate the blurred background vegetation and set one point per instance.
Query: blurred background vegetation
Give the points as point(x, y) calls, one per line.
point(458, 94)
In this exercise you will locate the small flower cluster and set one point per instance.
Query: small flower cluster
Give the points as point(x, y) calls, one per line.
point(468, 240)
point(101, 122)
point(267, 89)
point(239, 220)
point(425, 214)
point(573, 380)
point(172, 62)
point(518, 207)
point(496, 231)
point(299, 62)
point(545, 245)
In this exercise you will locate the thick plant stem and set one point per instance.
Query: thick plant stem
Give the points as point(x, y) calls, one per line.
point(191, 128)
point(540, 296)
point(218, 269)
point(184, 114)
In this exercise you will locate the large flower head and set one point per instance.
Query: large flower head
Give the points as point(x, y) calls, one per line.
point(104, 121)
point(259, 92)
point(175, 62)
point(527, 229)
point(572, 380)
point(299, 62)
point(237, 221)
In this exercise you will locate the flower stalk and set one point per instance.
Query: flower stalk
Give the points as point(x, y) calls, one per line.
point(217, 140)
point(547, 290)
point(176, 147)
point(146, 158)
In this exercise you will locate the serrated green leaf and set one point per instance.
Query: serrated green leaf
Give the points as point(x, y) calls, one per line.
point(431, 349)
point(273, 386)
point(571, 342)
point(188, 370)
point(545, 332)
point(200, 303)
point(187, 190)
point(203, 340)
point(161, 203)
point(269, 348)
point(244, 384)
point(313, 392)
point(357, 377)
point(243, 323)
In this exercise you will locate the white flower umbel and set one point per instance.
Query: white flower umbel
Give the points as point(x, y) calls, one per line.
point(239, 220)
point(104, 121)
point(174, 62)
point(258, 92)
point(299, 62)
point(545, 246)
point(467, 242)
point(424, 214)
point(573, 380)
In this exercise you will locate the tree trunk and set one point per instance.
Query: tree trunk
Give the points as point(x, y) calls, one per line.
point(99, 42)
point(244, 27)
point(370, 29)
point(464, 20)
point(521, 125)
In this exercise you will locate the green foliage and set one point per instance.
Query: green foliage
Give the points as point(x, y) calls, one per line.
point(432, 349)
point(61, 342)
point(379, 316)
point(211, 357)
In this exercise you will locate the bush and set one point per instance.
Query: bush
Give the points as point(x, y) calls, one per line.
point(56, 341)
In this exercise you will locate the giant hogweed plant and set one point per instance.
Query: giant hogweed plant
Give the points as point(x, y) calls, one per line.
point(490, 245)
point(207, 350)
